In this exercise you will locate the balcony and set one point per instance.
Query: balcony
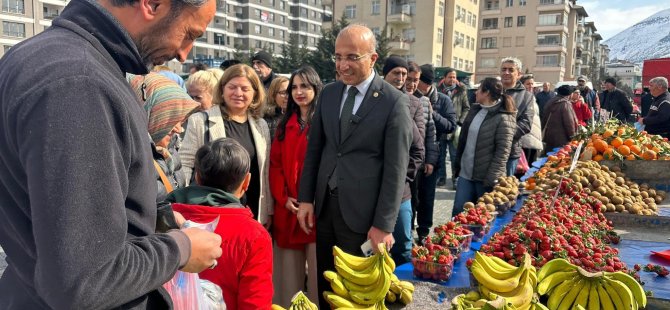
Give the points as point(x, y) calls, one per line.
point(550, 48)
point(60, 3)
point(552, 5)
point(50, 15)
point(400, 15)
point(551, 28)
point(578, 61)
point(400, 47)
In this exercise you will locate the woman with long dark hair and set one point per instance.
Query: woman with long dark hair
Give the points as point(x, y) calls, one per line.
point(293, 247)
point(485, 143)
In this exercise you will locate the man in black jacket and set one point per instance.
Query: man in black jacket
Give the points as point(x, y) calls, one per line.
point(616, 102)
point(77, 183)
point(445, 123)
point(657, 122)
point(395, 73)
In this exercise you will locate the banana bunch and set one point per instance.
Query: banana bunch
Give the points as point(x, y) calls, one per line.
point(474, 301)
point(360, 282)
point(298, 302)
point(497, 278)
point(400, 291)
point(570, 286)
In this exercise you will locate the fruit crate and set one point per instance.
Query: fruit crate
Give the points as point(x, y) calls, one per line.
point(504, 207)
point(456, 251)
point(466, 241)
point(432, 271)
point(478, 230)
point(656, 173)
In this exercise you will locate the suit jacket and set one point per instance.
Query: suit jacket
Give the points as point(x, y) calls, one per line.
point(195, 138)
point(371, 157)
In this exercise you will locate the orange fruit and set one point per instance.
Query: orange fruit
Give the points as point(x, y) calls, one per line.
point(621, 131)
point(631, 157)
point(598, 157)
point(629, 142)
point(608, 133)
point(616, 142)
point(649, 155)
point(656, 149)
point(635, 149)
point(600, 145)
point(608, 154)
point(624, 150)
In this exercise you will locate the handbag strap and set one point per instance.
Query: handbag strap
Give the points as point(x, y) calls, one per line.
point(164, 179)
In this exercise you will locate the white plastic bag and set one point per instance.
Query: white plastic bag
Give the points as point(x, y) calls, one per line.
point(213, 296)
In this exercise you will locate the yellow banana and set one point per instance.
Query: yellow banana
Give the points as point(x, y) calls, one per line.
point(594, 298)
point(337, 301)
point(405, 297)
point(553, 279)
point(330, 275)
point(364, 277)
point(391, 297)
point(533, 276)
point(356, 263)
point(539, 306)
point(492, 271)
point(394, 278)
point(407, 286)
point(277, 307)
point(633, 285)
point(498, 261)
point(388, 261)
point(522, 296)
point(571, 296)
point(497, 285)
point(358, 288)
point(499, 265)
point(379, 293)
point(583, 296)
point(604, 298)
point(614, 296)
point(624, 293)
point(555, 265)
point(338, 288)
point(559, 293)
point(395, 287)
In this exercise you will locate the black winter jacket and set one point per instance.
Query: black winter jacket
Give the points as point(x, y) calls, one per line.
point(617, 103)
point(443, 112)
point(525, 111)
point(657, 121)
point(77, 182)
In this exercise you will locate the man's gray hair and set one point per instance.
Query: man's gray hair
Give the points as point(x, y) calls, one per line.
point(660, 81)
point(513, 60)
point(366, 34)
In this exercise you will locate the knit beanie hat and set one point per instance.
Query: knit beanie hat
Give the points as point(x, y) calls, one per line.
point(427, 74)
point(166, 103)
point(393, 62)
point(565, 90)
point(264, 57)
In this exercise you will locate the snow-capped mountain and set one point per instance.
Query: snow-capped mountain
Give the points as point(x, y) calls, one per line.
point(647, 39)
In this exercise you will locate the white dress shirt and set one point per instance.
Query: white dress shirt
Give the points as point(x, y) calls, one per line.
point(362, 89)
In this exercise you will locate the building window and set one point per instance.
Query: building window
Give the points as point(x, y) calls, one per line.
point(281, 34)
point(282, 4)
point(16, 30)
point(522, 2)
point(507, 41)
point(409, 34)
point(457, 38)
point(440, 35)
point(283, 19)
point(458, 14)
point(490, 23)
point(492, 5)
point(257, 29)
point(467, 42)
point(489, 43)
point(272, 17)
point(509, 3)
point(548, 60)
point(303, 13)
point(473, 44)
point(455, 64)
point(350, 11)
point(271, 31)
point(519, 41)
point(548, 39)
point(376, 7)
point(460, 64)
point(551, 19)
point(438, 60)
point(13, 6)
point(312, 40)
point(509, 21)
point(461, 39)
point(474, 20)
point(377, 32)
point(259, 44)
point(257, 13)
point(440, 8)
point(489, 62)
point(469, 22)
point(521, 21)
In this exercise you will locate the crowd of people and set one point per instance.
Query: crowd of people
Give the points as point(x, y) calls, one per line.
point(287, 167)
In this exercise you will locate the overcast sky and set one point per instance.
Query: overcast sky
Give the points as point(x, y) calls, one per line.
point(614, 16)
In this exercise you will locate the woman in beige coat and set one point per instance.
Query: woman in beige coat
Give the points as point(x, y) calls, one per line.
point(236, 114)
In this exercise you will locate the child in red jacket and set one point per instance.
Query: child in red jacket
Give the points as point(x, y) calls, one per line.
point(244, 270)
point(582, 110)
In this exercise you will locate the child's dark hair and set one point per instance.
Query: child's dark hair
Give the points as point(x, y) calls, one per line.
point(495, 89)
point(222, 164)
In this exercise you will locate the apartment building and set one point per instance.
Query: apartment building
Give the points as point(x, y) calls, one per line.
point(242, 25)
point(550, 37)
point(629, 73)
point(440, 32)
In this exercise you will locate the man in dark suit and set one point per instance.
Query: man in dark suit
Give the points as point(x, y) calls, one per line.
point(356, 162)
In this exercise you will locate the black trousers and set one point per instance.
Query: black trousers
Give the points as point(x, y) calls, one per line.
point(331, 230)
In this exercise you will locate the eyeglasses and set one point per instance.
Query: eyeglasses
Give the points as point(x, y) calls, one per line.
point(350, 58)
point(282, 93)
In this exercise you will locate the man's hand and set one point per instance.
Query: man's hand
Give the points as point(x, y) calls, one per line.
point(292, 205)
point(378, 236)
point(306, 216)
point(205, 249)
point(428, 169)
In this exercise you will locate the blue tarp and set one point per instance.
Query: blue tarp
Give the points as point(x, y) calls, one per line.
point(630, 251)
